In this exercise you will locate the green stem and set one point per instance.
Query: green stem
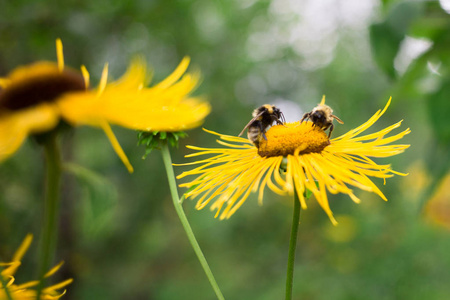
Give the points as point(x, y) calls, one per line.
point(49, 233)
point(5, 288)
point(179, 209)
point(292, 247)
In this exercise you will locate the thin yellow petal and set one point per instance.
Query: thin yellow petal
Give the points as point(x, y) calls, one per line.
point(115, 143)
point(60, 54)
point(27, 285)
point(103, 80)
point(172, 78)
point(11, 268)
point(23, 248)
point(58, 286)
point(322, 102)
point(86, 76)
point(54, 269)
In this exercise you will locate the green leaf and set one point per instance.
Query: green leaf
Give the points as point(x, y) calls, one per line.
point(433, 22)
point(439, 112)
point(386, 37)
point(385, 44)
point(401, 16)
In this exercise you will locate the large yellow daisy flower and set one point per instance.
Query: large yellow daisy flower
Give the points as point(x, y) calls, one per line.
point(35, 97)
point(295, 157)
point(25, 291)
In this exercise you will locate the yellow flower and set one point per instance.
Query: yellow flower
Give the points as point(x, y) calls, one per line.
point(35, 97)
point(24, 291)
point(437, 208)
point(296, 156)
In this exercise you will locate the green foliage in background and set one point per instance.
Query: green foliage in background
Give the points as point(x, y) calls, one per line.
point(119, 234)
point(427, 79)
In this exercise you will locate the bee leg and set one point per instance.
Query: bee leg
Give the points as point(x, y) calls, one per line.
point(305, 116)
point(280, 123)
point(264, 135)
point(331, 129)
point(263, 131)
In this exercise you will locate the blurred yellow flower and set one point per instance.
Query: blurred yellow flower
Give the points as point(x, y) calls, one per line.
point(35, 97)
point(345, 232)
point(25, 291)
point(437, 208)
point(295, 157)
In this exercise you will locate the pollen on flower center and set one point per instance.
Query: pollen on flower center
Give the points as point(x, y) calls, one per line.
point(41, 82)
point(290, 137)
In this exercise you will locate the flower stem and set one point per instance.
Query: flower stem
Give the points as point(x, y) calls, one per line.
point(179, 209)
point(52, 194)
point(292, 247)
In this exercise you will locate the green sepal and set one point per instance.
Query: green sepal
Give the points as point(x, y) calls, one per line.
point(154, 139)
point(308, 193)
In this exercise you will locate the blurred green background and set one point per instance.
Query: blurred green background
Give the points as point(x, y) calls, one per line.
point(119, 233)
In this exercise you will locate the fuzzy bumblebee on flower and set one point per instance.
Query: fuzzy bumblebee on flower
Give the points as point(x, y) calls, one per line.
point(296, 158)
point(291, 158)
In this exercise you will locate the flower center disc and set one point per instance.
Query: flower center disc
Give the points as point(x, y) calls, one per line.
point(40, 82)
point(290, 137)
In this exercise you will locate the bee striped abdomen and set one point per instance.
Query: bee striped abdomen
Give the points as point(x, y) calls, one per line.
point(254, 135)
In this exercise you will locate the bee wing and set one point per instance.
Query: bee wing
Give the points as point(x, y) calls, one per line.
point(337, 119)
point(251, 121)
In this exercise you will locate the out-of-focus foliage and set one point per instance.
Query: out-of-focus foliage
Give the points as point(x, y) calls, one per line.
point(119, 233)
point(427, 78)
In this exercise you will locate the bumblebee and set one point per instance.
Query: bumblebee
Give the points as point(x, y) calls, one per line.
point(322, 117)
point(263, 117)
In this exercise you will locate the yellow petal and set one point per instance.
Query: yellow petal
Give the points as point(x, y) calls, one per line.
point(54, 269)
point(15, 126)
point(172, 78)
point(23, 248)
point(234, 171)
point(115, 143)
point(60, 55)
point(128, 104)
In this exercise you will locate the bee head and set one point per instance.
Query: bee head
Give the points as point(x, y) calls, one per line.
point(318, 117)
point(276, 111)
point(268, 112)
point(278, 114)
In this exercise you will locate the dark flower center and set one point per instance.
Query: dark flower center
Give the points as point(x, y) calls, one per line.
point(38, 89)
